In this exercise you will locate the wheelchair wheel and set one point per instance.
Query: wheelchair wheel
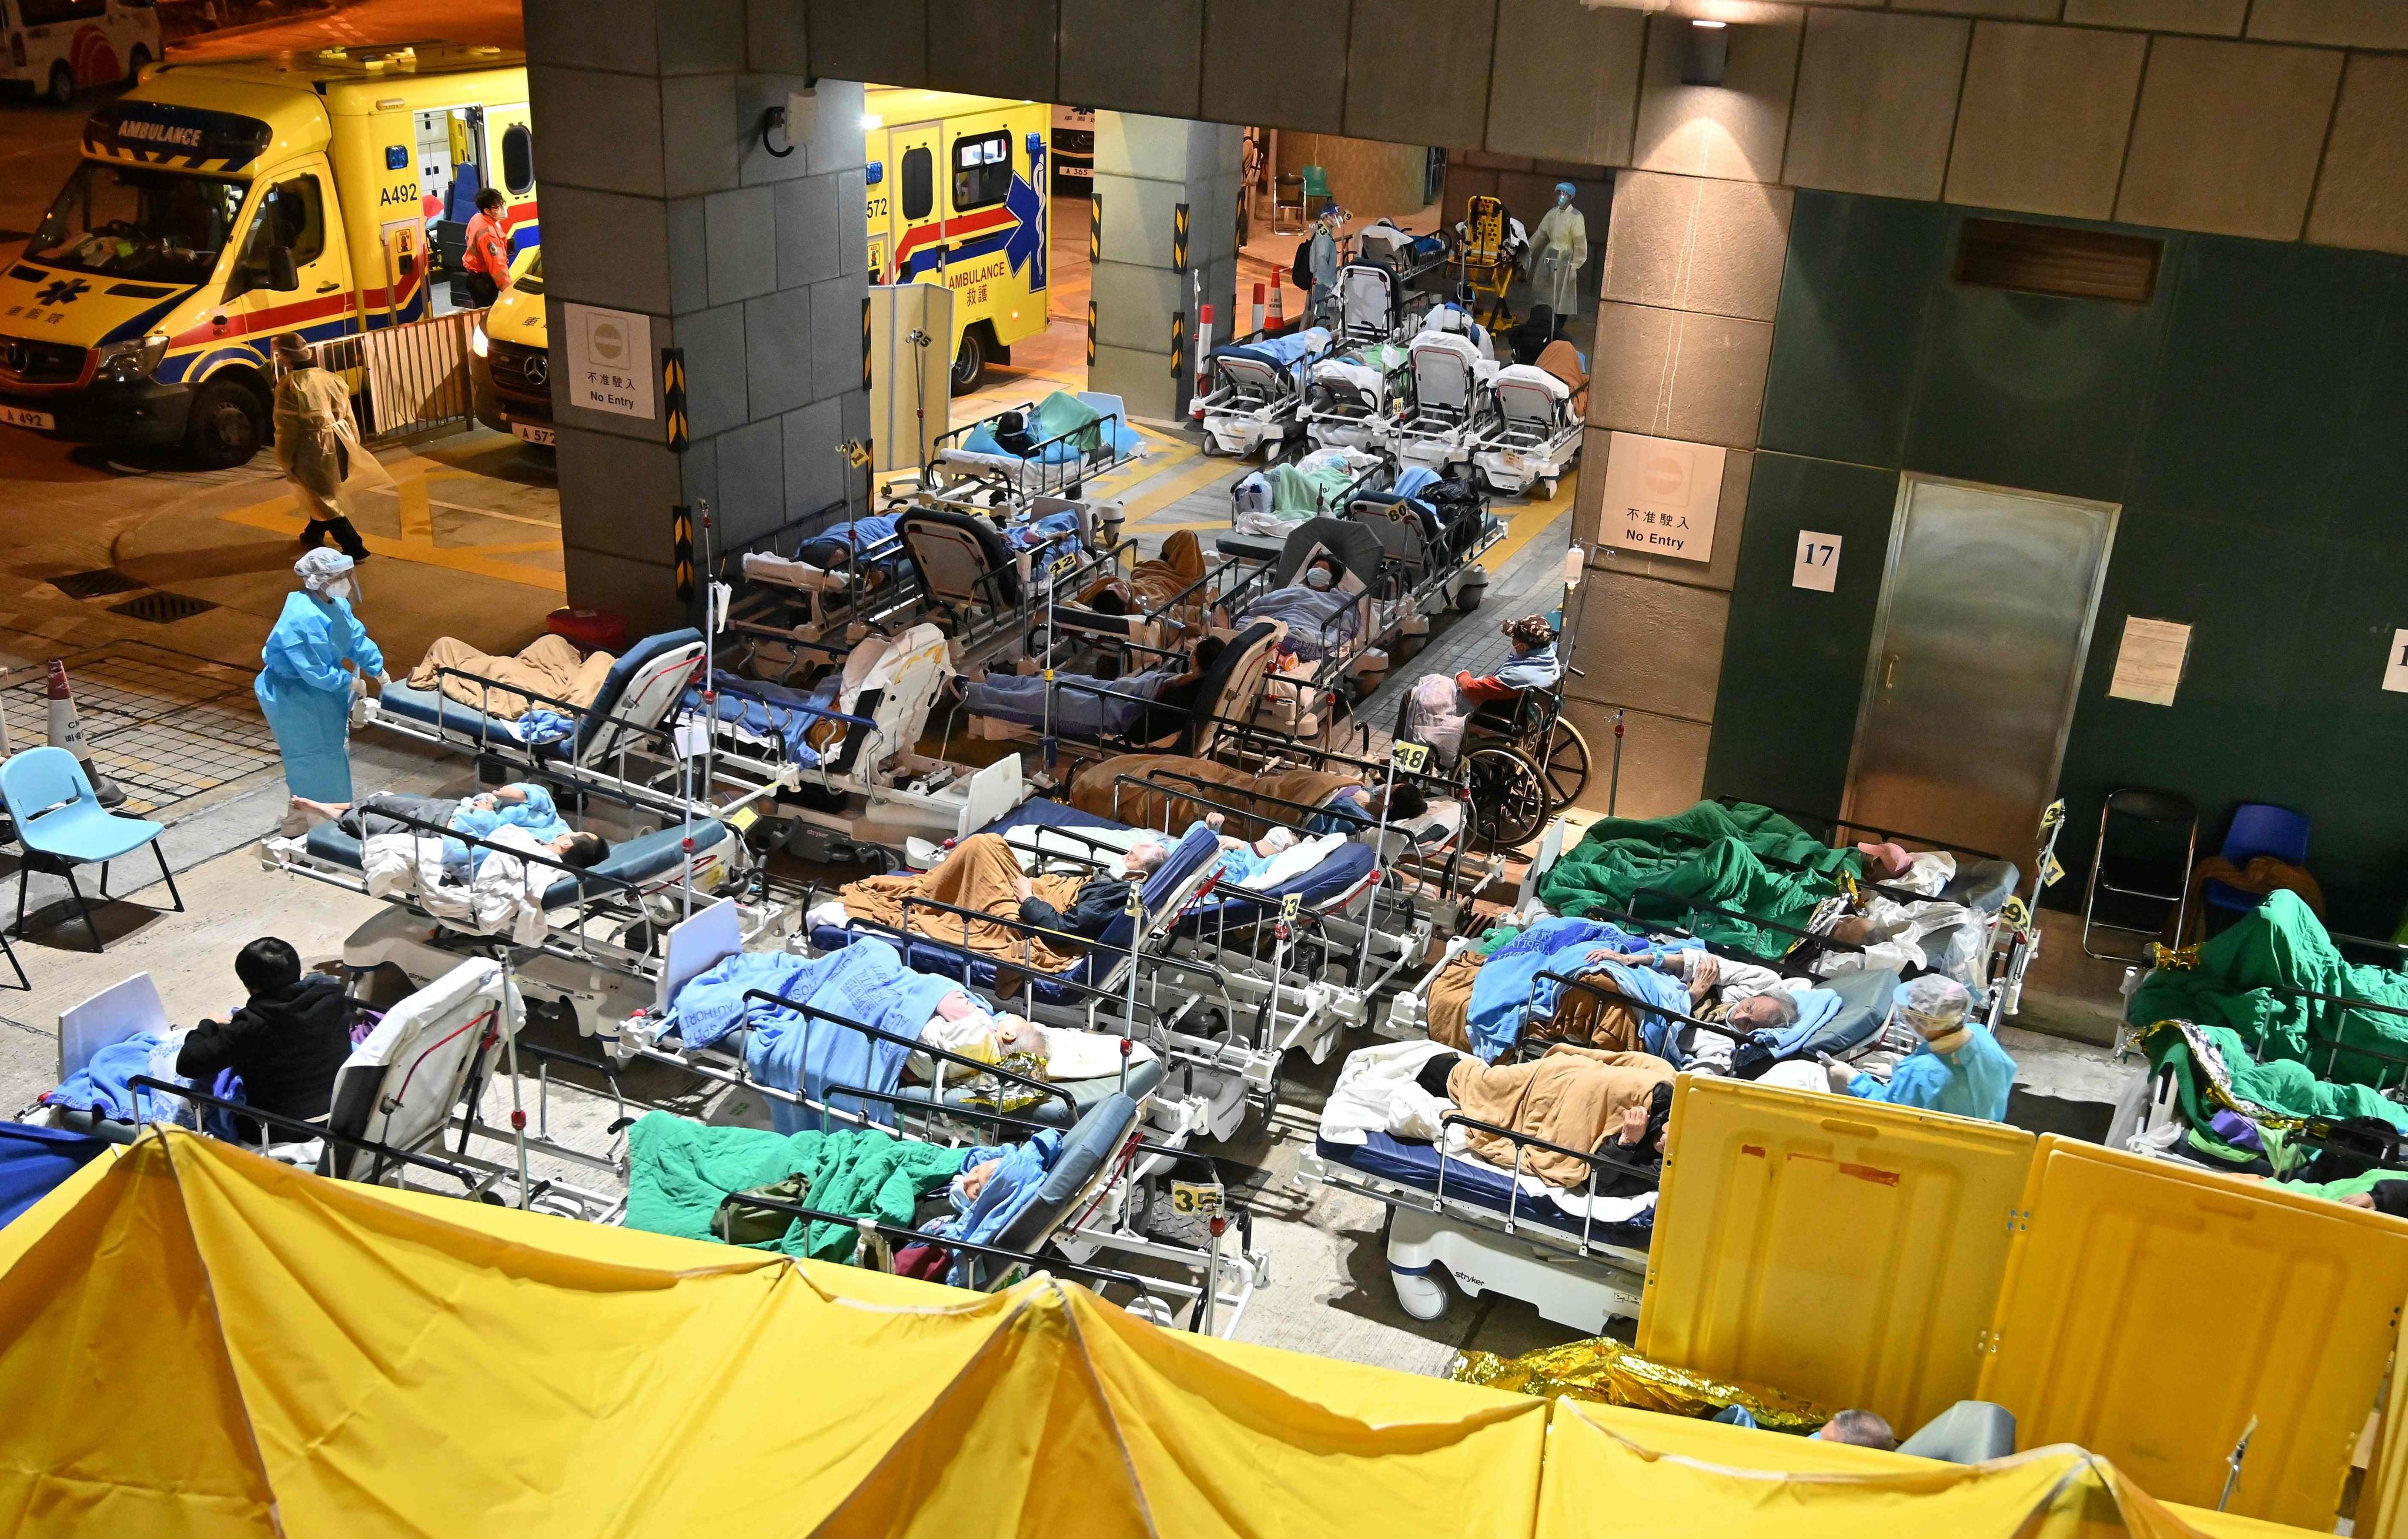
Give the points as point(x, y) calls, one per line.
point(1565, 771)
point(1508, 796)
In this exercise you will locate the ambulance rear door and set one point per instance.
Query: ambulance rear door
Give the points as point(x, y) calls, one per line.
point(918, 173)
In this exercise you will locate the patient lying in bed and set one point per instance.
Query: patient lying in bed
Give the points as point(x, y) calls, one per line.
point(984, 874)
point(548, 665)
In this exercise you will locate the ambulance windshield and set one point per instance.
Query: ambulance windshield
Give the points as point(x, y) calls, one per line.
point(136, 221)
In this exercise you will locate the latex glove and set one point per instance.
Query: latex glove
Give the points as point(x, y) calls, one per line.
point(384, 681)
point(1841, 1077)
point(359, 687)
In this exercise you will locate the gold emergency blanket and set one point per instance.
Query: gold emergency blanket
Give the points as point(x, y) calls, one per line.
point(1604, 1370)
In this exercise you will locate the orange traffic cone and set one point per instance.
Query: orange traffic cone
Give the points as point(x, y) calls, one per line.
point(68, 732)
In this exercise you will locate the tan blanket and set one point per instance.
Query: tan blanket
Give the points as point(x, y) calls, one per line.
point(1450, 1001)
point(548, 665)
point(1572, 1096)
point(981, 873)
point(1097, 790)
point(1153, 584)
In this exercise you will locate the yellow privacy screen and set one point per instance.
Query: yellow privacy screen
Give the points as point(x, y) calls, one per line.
point(2152, 1310)
point(1828, 1248)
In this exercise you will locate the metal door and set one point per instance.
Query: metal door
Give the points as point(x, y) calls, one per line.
point(1986, 614)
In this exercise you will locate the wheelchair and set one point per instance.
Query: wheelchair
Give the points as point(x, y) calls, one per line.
point(1521, 764)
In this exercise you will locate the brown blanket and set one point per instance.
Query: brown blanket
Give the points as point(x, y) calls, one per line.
point(1153, 584)
point(548, 665)
point(1572, 1096)
point(981, 873)
point(1450, 1001)
point(2262, 875)
point(1096, 790)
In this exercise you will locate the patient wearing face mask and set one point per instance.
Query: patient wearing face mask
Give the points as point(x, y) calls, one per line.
point(1322, 608)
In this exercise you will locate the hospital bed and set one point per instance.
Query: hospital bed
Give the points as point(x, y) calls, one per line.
point(1373, 305)
point(1410, 257)
point(1352, 400)
point(1254, 389)
point(1579, 1257)
point(864, 780)
point(1227, 694)
point(820, 576)
point(970, 461)
point(1295, 978)
point(1531, 434)
point(1450, 390)
point(984, 591)
point(1095, 1195)
point(617, 743)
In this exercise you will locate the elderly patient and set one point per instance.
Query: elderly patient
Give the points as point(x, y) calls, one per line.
point(1738, 995)
point(983, 875)
point(1579, 1097)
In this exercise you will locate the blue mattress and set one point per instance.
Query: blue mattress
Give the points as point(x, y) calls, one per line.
point(630, 861)
point(1038, 813)
point(1345, 866)
point(1417, 1163)
point(1086, 1094)
point(437, 709)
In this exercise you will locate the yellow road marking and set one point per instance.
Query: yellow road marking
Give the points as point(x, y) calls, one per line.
point(552, 523)
point(1529, 520)
point(1170, 488)
point(475, 560)
point(417, 519)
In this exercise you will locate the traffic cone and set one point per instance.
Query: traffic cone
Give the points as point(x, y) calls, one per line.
point(68, 732)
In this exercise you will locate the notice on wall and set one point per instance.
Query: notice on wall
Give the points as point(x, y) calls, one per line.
point(1661, 495)
point(1817, 566)
point(2395, 663)
point(2149, 664)
point(609, 360)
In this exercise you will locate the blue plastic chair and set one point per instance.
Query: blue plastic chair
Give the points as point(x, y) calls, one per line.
point(2258, 829)
point(61, 825)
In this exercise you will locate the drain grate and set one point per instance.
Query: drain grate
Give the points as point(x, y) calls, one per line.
point(99, 585)
point(162, 608)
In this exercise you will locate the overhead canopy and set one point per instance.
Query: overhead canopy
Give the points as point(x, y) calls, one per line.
point(195, 1341)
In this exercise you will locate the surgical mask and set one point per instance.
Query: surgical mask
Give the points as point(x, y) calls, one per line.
point(342, 588)
point(1563, 200)
point(1278, 840)
point(1318, 579)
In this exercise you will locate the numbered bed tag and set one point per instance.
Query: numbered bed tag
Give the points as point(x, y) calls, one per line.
point(1288, 907)
point(1197, 1199)
point(1409, 757)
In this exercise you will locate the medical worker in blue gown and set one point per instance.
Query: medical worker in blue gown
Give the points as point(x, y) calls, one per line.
point(307, 678)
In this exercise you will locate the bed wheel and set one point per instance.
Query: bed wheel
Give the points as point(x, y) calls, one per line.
point(1547, 489)
point(1422, 1295)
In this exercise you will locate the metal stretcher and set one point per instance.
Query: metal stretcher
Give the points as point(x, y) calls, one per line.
point(1531, 434)
point(969, 461)
point(1254, 389)
point(1094, 1199)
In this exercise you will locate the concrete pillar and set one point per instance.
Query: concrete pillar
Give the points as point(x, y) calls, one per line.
point(661, 199)
point(1685, 333)
point(1145, 169)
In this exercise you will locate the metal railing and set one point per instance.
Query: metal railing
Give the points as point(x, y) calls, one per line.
point(406, 378)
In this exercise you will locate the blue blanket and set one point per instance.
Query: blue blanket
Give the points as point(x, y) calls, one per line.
point(1319, 621)
point(100, 1084)
point(773, 711)
point(1078, 711)
point(1054, 528)
point(1008, 1190)
point(866, 981)
point(33, 1160)
point(1502, 986)
point(1815, 1008)
point(836, 544)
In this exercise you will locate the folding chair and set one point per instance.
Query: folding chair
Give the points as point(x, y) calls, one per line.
point(2136, 873)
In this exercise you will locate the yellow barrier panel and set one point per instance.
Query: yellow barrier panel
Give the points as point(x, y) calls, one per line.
point(2151, 1312)
point(1836, 1249)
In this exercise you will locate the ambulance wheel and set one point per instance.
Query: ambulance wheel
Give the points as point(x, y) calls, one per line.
point(1508, 799)
point(134, 62)
point(61, 86)
point(1565, 771)
point(226, 426)
point(969, 365)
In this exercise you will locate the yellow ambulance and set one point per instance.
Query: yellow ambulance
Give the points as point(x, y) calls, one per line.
point(513, 366)
point(957, 197)
point(219, 205)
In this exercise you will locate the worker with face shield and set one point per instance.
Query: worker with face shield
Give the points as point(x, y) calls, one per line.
point(317, 657)
point(1559, 251)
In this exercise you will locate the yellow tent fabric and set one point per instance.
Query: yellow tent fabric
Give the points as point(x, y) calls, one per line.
point(202, 1343)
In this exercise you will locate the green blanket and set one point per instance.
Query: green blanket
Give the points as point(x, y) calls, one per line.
point(1665, 868)
point(2282, 943)
point(2283, 1086)
point(1062, 413)
point(1308, 492)
point(678, 1172)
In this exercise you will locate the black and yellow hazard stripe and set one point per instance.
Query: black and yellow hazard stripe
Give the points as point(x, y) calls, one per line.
point(1178, 238)
point(673, 402)
point(681, 550)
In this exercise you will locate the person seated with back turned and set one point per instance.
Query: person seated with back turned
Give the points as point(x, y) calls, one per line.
point(286, 1042)
point(1533, 664)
